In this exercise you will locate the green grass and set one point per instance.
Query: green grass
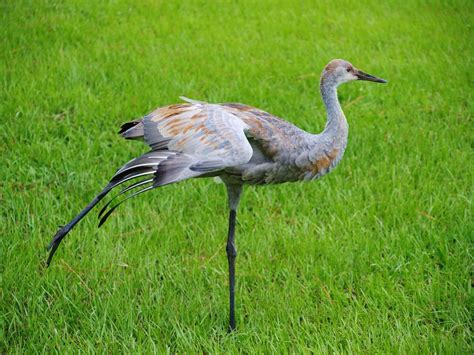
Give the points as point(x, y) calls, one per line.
point(375, 257)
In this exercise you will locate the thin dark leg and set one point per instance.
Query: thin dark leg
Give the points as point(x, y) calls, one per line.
point(64, 230)
point(231, 254)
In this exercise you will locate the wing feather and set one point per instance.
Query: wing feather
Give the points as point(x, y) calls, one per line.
point(207, 132)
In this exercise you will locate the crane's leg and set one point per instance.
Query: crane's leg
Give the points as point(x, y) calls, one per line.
point(233, 192)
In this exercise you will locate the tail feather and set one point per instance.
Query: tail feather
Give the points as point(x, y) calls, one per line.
point(107, 215)
point(146, 161)
point(170, 170)
point(174, 169)
point(132, 130)
point(132, 186)
point(132, 175)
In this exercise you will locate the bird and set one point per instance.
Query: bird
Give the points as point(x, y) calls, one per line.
point(236, 143)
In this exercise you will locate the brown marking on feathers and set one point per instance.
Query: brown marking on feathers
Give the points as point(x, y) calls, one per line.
point(257, 127)
point(211, 144)
point(200, 126)
point(333, 64)
point(240, 107)
point(255, 123)
point(172, 124)
point(324, 162)
point(195, 123)
point(171, 110)
point(206, 131)
point(264, 132)
point(174, 127)
point(186, 129)
point(167, 112)
point(173, 131)
point(182, 142)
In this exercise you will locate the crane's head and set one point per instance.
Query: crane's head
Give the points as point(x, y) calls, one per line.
point(339, 71)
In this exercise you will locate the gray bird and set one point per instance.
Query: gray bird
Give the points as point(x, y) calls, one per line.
point(239, 144)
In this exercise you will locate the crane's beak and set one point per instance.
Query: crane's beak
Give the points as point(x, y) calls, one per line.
point(364, 76)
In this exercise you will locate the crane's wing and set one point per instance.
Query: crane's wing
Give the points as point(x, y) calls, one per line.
point(212, 134)
point(187, 140)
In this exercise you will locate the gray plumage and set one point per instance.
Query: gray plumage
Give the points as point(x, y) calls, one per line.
point(238, 143)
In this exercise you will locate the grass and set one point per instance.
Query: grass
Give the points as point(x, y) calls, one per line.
point(374, 258)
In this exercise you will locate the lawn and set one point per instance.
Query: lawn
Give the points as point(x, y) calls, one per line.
point(376, 257)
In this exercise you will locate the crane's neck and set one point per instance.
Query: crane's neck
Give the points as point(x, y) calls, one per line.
point(330, 145)
point(336, 130)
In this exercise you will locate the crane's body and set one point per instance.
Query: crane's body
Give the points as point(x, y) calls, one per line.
point(240, 144)
point(272, 151)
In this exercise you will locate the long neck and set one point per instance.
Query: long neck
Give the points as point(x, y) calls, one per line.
point(336, 126)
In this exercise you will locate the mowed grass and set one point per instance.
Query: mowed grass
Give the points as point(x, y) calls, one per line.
point(375, 257)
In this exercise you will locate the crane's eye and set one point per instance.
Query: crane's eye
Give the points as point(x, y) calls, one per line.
point(348, 69)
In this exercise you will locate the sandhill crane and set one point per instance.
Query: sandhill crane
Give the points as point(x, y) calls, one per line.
point(235, 142)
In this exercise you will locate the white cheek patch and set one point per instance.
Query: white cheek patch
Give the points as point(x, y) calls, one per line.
point(350, 76)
